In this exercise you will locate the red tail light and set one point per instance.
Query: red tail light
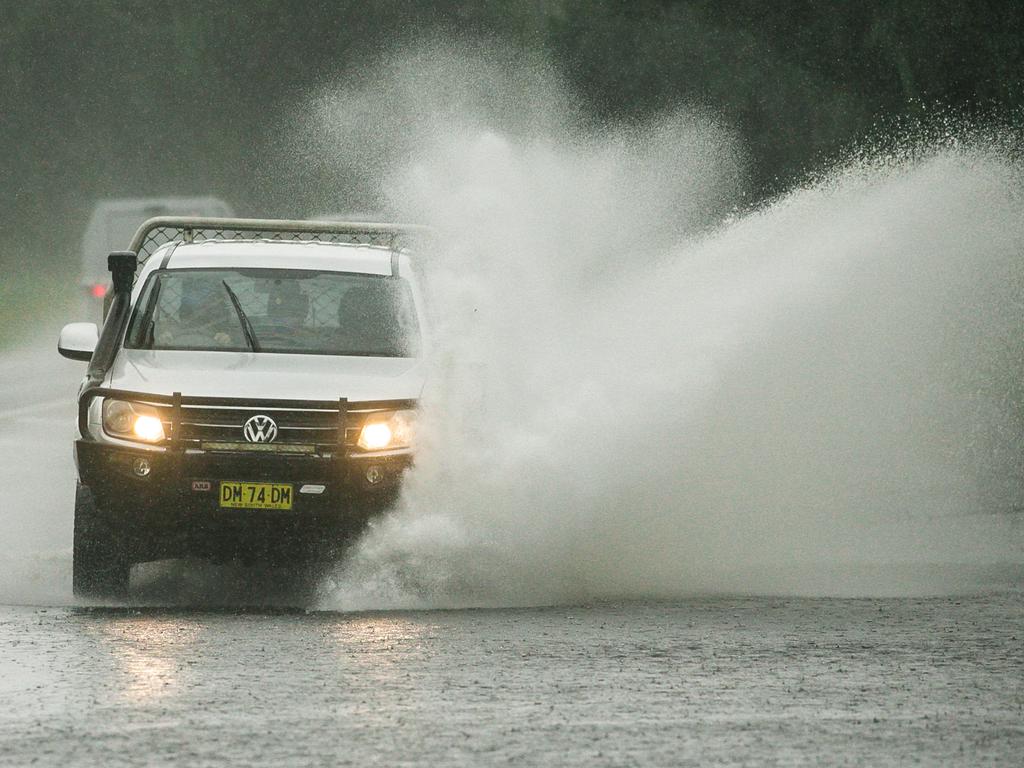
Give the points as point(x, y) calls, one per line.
point(99, 290)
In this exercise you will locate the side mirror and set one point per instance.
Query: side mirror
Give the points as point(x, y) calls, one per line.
point(78, 340)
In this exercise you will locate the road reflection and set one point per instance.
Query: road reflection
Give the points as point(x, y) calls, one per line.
point(153, 655)
point(365, 640)
point(173, 659)
point(157, 657)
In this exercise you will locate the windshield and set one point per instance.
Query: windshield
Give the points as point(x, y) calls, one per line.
point(276, 310)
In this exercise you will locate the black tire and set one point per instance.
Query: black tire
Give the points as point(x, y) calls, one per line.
point(100, 564)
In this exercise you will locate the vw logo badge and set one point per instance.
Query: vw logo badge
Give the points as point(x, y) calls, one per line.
point(260, 429)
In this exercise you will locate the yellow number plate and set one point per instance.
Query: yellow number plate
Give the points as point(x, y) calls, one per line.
point(255, 495)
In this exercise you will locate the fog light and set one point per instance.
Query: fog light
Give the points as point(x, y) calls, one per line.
point(374, 475)
point(141, 467)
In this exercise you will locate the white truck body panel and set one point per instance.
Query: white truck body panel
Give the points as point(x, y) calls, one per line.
point(266, 375)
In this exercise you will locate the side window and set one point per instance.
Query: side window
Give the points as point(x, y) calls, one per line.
point(139, 330)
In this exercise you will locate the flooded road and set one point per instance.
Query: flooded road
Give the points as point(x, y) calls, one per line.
point(706, 681)
point(37, 473)
point(710, 680)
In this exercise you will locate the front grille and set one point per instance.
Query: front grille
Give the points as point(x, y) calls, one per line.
point(294, 427)
point(221, 428)
point(219, 420)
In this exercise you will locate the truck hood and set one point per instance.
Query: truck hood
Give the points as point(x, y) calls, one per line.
point(267, 375)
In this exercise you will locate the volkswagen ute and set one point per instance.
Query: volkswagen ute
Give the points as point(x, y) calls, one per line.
point(252, 395)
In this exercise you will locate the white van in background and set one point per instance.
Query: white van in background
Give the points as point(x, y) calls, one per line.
point(112, 224)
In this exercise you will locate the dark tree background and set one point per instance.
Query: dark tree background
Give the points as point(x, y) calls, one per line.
point(104, 98)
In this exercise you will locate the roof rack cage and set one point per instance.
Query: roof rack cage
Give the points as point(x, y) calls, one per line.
point(160, 230)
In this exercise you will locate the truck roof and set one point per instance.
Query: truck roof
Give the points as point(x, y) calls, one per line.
point(275, 254)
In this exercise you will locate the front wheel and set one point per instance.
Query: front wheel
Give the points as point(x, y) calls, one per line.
point(100, 564)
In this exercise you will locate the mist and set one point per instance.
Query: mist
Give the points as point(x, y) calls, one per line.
point(643, 389)
point(645, 384)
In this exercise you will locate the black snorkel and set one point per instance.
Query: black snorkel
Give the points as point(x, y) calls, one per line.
point(122, 265)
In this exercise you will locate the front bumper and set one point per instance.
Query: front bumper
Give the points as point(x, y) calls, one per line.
point(174, 509)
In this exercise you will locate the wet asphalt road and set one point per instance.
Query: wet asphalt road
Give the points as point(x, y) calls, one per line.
point(702, 681)
point(709, 681)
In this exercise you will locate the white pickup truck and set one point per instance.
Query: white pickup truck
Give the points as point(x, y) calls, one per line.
point(252, 394)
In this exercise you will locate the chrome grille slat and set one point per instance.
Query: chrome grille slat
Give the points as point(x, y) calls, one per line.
point(219, 423)
point(251, 408)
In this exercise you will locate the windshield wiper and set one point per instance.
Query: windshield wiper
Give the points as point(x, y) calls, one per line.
point(250, 334)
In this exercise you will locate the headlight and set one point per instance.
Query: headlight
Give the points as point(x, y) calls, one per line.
point(132, 421)
point(387, 431)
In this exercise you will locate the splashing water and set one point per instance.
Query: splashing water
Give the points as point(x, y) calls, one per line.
point(637, 392)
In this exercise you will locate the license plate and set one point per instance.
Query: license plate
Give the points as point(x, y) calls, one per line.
point(255, 495)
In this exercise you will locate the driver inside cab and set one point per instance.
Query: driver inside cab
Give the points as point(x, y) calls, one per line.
point(205, 319)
